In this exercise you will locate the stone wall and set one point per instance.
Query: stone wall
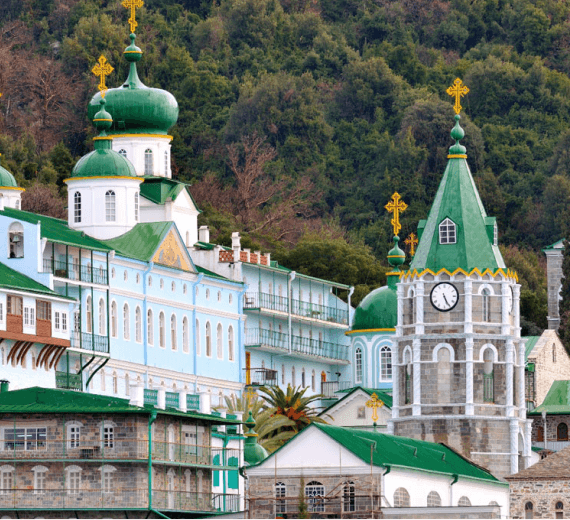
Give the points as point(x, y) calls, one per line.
point(543, 494)
point(554, 279)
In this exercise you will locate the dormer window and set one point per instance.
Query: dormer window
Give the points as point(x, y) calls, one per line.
point(447, 232)
point(16, 240)
point(148, 162)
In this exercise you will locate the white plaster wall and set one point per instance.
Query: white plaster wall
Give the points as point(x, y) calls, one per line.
point(345, 413)
point(11, 197)
point(135, 146)
point(3, 314)
point(62, 308)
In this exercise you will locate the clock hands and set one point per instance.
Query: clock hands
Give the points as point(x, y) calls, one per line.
point(445, 299)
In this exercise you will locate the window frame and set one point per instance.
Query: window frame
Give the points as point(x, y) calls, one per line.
point(447, 232)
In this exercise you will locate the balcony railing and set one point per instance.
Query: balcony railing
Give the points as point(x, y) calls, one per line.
point(117, 449)
point(298, 308)
point(92, 342)
point(552, 445)
point(68, 381)
point(300, 345)
point(118, 498)
point(150, 396)
point(329, 388)
point(76, 272)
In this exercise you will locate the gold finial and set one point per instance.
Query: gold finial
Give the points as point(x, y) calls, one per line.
point(133, 5)
point(412, 242)
point(102, 69)
point(457, 90)
point(396, 206)
point(374, 403)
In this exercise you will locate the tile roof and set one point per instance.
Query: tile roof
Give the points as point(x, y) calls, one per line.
point(554, 467)
point(11, 279)
point(49, 400)
point(557, 400)
point(57, 230)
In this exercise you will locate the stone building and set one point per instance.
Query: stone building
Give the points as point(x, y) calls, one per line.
point(65, 453)
point(554, 253)
point(352, 473)
point(458, 363)
point(543, 490)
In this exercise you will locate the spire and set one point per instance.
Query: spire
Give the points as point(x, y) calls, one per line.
point(102, 121)
point(133, 55)
point(457, 233)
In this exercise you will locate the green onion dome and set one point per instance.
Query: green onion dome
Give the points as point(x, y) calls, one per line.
point(7, 180)
point(378, 310)
point(136, 108)
point(103, 161)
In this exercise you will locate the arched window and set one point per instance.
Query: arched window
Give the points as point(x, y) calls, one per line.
point(127, 385)
point(149, 327)
point(115, 383)
point(562, 432)
point(464, 502)
point(486, 301)
point(166, 163)
point(447, 232)
point(303, 385)
point(433, 499)
point(148, 162)
point(315, 492)
point(313, 380)
point(114, 332)
point(138, 325)
point(528, 510)
point(358, 365)
point(230, 343)
point(385, 363)
point(554, 352)
point(488, 377)
point(73, 480)
point(123, 153)
point(102, 327)
point(77, 207)
point(401, 497)
point(161, 331)
point(219, 340)
point(185, 335)
point(16, 240)
point(136, 207)
point(107, 481)
point(40, 474)
point(17, 204)
point(198, 344)
point(103, 380)
point(349, 497)
point(559, 509)
point(280, 492)
point(412, 313)
point(110, 206)
point(444, 375)
point(126, 322)
point(173, 332)
point(208, 339)
point(88, 315)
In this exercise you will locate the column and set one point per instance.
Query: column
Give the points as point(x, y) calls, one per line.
point(400, 322)
point(514, 430)
point(417, 381)
point(517, 309)
point(505, 323)
point(521, 401)
point(395, 385)
point(527, 442)
point(419, 306)
point(469, 406)
point(509, 376)
point(468, 321)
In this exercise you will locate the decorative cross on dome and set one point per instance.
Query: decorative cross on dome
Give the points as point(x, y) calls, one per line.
point(102, 70)
point(412, 242)
point(374, 403)
point(250, 393)
point(457, 90)
point(133, 5)
point(396, 206)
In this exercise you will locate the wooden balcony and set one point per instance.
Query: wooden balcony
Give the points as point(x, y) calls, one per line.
point(43, 328)
point(14, 323)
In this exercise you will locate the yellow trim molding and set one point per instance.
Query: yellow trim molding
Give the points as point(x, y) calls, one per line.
point(103, 120)
point(169, 137)
point(508, 274)
point(11, 188)
point(368, 330)
point(457, 156)
point(102, 139)
point(103, 177)
point(394, 273)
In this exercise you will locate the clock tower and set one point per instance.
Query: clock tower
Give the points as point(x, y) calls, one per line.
point(458, 360)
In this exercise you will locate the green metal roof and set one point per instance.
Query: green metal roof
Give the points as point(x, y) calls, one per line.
point(556, 245)
point(530, 343)
point(140, 243)
point(458, 199)
point(56, 230)
point(389, 450)
point(378, 310)
point(382, 395)
point(161, 189)
point(211, 274)
point(7, 180)
point(49, 400)
point(557, 400)
point(10, 279)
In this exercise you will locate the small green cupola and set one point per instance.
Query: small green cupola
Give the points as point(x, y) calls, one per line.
point(253, 452)
point(7, 180)
point(457, 233)
point(10, 193)
point(136, 108)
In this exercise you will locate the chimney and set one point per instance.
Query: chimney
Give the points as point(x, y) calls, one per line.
point(258, 253)
point(204, 234)
point(136, 394)
point(236, 245)
point(205, 402)
point(161, 398)
point(268, 256)
point(4, 386)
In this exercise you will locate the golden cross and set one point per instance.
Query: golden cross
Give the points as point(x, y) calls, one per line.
point(374, 403)
point(250, 393)
point(412, 241)
point(102, 69)
point(396, 206)
point(457, 90)
point(133, 5)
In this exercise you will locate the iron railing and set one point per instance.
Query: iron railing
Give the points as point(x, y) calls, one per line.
point(76, 272)
point(68, 381)
point(256, 300)
point(92, 342)
point(172, 399)
point(300, 345)
point(192, 402)
point(329, 388)
point(150, 396)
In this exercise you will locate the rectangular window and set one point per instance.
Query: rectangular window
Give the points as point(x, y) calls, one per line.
point(190, 441)
point(64, 322)
point(1, 312)
point(26, 315)
point(7, 482)
point(488, 388)
point(44, 310)
point(14, 305)
point(57, 321)
point(39, 482)
point(25, 439)
point(108, 437)
point(73, 482)
point(74, 433)
point(107, 481)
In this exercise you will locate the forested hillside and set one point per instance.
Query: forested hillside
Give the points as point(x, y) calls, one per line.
point(299, 118)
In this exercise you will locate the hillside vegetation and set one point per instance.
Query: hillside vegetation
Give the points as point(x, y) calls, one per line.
point(299, 118)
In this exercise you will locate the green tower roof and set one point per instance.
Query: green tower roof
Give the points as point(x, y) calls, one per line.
point(136, 108)
point(457, 199)
point(378, 310)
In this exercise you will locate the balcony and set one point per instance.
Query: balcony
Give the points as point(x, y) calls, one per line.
point(14, 323)
point(91, 342)
point(304, 346)
point(299, 308)
point(75, 272)
point(329, 388)
point(132, 450)
point(68, 381)
point(118, 498)
point(260, 377)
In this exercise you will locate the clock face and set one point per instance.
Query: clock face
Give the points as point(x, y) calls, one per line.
point(444, 296)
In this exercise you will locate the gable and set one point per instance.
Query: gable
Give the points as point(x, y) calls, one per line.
point(172, 253)
point(346, 411)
